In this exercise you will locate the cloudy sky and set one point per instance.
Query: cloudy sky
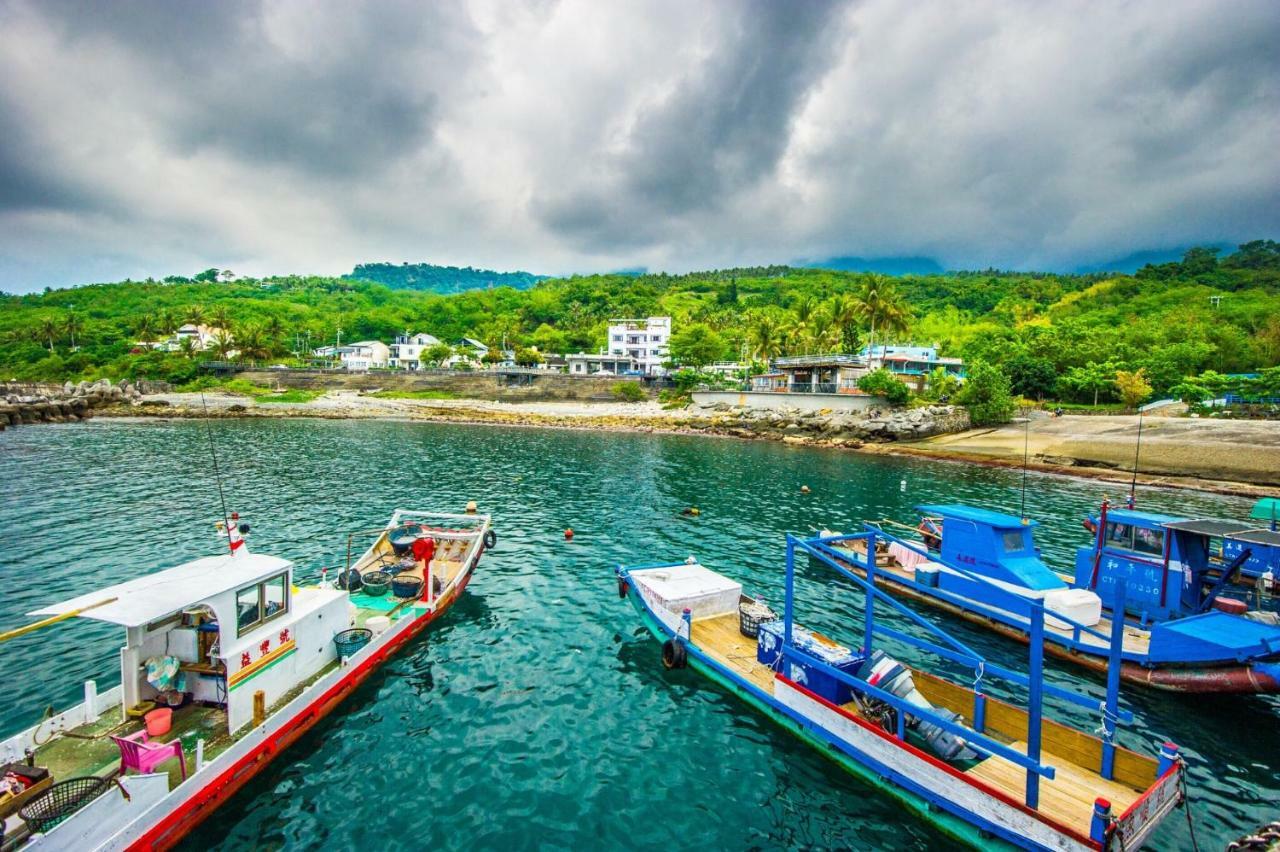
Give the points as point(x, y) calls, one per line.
point(583, 135)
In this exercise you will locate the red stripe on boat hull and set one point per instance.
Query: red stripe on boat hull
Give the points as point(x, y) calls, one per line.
point(173, 827)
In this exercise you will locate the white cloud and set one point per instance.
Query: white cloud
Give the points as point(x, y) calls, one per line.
point(575, 136)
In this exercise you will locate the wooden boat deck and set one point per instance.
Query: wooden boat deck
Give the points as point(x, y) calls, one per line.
point(1136, 640)
point(450, 557)
point(1068, 798)
point(721, 639)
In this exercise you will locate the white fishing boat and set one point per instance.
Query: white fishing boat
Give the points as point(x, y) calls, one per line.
point(227, 661)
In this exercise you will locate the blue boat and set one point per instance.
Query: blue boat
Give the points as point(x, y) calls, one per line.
point(984, 567)
point(1235, 565)
point(983, 770)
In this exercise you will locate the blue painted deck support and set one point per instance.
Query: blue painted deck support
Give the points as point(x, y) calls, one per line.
point(1035, 673)
point(788, 613)
point(819, 549)
point(1113, 684)
point(869, 627)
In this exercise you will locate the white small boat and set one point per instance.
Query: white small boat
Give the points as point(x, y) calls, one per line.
point(226, 662)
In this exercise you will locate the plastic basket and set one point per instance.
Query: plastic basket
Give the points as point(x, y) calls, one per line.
point(350, 641)
point(61, 801)
point(406, 587)
point(376, 583)
point(751, 614)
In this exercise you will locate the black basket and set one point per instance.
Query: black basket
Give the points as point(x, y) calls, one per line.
point(376, 583)
point(61, 801)
point(406, 587)
point(751, 614)
point(350, 641)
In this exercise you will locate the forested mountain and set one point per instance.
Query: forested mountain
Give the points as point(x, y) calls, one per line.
point(1060, 336)
point(440, 279)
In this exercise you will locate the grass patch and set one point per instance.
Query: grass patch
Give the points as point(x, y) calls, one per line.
point(293, 396)
point(416, 394)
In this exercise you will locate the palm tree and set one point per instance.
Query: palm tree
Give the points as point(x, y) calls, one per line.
point(844, 312)
point(251, 343)
point(72, 325)
point(145, 328)
point(187, 346)
point(765, 338)
point(221, 318)
point(222, 343)
point(273, 329)
point(48, 330)
point(880, 304)
point(195, 315)
point(798, 329)
point(823, 331)
point(166, 321)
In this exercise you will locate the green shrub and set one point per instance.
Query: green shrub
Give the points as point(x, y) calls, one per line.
point(987, 395)
point(883, 383)
point(629, 391)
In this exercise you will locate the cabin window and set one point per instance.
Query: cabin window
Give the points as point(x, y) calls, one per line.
point(261, 602)
point(1121, 535)
point(1147, 540)
point(248, 608)
point(1012, 541)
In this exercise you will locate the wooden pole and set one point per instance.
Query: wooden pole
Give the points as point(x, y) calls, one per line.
point(259, 708)
point(54, 619)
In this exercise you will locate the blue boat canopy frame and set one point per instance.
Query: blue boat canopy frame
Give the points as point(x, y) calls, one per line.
point(948, 647)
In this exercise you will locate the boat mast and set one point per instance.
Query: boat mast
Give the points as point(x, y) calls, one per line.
point(217, 475)
point(1133, 484)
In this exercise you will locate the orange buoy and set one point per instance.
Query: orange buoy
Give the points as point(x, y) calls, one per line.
point(804, 489)
point(568, 534)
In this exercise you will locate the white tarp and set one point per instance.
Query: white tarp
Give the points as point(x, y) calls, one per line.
point(702, 590)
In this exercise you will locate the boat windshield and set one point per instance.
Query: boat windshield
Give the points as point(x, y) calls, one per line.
point(1012, 540)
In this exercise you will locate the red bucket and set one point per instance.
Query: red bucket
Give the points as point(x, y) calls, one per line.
point(159, 721)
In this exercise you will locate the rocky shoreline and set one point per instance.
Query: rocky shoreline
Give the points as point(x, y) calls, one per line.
point(20, 405)
point(936, 433)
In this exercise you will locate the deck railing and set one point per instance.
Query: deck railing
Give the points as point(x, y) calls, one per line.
point(821, 549)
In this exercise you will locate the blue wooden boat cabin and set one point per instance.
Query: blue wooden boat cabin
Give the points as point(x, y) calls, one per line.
point(1178, 631)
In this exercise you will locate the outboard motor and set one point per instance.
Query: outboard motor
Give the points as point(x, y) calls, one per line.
point(888, 674)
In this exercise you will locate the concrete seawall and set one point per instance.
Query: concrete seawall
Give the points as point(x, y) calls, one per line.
point(510, 387)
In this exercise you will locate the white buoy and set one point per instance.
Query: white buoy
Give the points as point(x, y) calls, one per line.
point(902, 486)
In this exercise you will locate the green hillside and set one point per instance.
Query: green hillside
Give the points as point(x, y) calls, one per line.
point(1052, 334)
point(440, 279)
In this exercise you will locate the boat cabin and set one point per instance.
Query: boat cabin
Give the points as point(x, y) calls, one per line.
point(998, 547)
point(216, 633)
point(1176, 566)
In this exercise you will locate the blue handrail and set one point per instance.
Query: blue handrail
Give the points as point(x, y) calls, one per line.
point(820, 548)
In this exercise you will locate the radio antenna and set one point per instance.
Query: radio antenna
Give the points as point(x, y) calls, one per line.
point(1133, 484)
point(217, 475)
point(1026, 452)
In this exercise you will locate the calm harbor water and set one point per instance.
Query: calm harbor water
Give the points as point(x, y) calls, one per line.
point(537, 713)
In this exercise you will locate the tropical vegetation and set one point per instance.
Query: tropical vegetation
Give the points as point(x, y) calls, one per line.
point(1052, 336)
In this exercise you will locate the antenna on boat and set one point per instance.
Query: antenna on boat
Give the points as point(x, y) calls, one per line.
point(1026, 452)
point(217, 475)
point(1133, 484)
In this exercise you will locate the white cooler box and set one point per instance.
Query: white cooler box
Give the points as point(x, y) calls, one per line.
point(703, 591)
point(1081, 605)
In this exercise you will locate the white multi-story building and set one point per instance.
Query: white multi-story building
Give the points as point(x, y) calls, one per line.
point(643, 340)
point(406, 352)
point(364, 355)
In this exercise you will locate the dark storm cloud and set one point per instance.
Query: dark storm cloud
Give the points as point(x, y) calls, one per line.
point(720, 130)
point(355, 94)
point(559, 135)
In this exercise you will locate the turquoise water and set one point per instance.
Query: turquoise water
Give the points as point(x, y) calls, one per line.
point(537, 714)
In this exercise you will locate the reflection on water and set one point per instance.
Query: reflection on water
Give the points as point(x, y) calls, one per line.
point(536, 713)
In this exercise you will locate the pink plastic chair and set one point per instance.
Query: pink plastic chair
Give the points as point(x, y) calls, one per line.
point(137, 752)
